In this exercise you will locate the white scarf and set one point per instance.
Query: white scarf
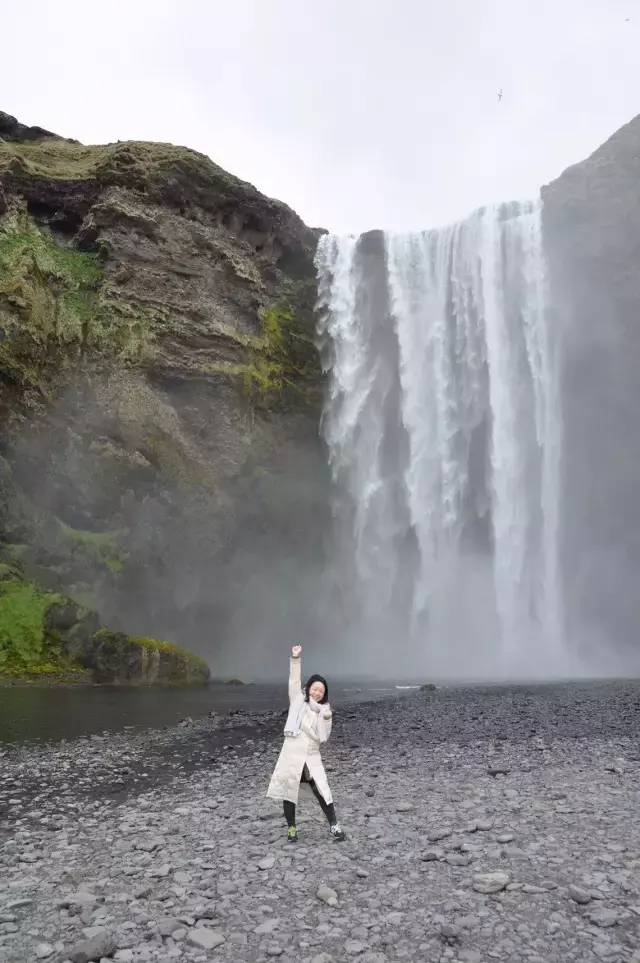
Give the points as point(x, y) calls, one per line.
point(294, 719)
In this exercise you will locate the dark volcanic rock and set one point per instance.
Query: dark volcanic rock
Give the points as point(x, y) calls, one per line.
point(12, 129)
point(591, 224)
point(160, 389)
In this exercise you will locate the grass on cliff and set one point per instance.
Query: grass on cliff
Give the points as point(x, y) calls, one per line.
point(46, 296)
point(23, 607)
point(52, 297)
point(134, 162)
point(279, 358)
point(100, 547)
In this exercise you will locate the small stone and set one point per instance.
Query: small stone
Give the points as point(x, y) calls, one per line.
point(322, 958)
point(603, 917)
point(449, 931)
point(489, 883)
point(430, 856)
point(579, 895)
point(168, 926)
point(435, 834)
point(44, 950)
point(362, 873)
point(274, 950)
point(267, 927)
point(18, 904)
point(327, 895)
point(404, 806)
point(267, 863)
point(354, 947)
point(505, 838)
point(78, 899)
point(87, 951)
point(205, 939)
point(457, 859)
point(467, 922)
point(182, 878)
point(484, 825)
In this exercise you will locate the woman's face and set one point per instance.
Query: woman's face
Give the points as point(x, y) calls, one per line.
point(316, 691)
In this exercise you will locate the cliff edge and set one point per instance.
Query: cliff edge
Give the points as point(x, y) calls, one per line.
point(160, 389)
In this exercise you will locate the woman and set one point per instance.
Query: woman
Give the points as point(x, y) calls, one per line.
point(308, 725)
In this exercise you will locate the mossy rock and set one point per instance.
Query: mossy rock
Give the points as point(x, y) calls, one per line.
point(119, 659)
point(47, 638)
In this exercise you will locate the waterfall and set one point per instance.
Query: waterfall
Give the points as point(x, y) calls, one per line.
point(443, 429)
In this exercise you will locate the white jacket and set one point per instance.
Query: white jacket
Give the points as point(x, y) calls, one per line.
point(300, 750)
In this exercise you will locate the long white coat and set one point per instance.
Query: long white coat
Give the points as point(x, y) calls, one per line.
point(300, 750)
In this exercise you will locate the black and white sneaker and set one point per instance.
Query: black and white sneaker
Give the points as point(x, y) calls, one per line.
point(338, 835)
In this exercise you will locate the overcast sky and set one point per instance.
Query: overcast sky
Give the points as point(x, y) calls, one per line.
point(357, 113)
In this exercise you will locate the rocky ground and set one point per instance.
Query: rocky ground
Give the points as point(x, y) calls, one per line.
point(483, 825)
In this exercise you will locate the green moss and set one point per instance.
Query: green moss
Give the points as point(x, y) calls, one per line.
point(278, 359)
point(133, 162)
point(123, 658)
point(84, 594)
point(46, 296)
point(18, 551)
point(175, 462)
point(22, 610)
point(55, 306)
point(170, 649)
point(44, 673)
point(100, 547)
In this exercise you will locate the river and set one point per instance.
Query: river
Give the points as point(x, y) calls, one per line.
point(52, 714)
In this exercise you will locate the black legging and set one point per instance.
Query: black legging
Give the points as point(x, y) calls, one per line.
point(327, 808)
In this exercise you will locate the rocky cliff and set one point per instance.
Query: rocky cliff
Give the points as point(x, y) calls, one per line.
point(159, 392)
point(592, 236)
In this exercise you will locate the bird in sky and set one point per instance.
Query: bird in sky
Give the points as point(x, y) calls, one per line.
point(499, 96)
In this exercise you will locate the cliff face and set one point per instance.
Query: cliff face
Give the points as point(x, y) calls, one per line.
point(592, 236)
point(159, 391)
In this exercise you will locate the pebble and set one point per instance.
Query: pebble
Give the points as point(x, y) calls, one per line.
point(490, 882)
point(435, 835)
point(327, 895)
point(579, 895)
point(205, 939)
point(603, 917)
point(88, 951)
point(170, 870)
point(354, 947)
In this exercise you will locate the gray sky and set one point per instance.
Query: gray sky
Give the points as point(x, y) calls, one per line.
point(357, 113)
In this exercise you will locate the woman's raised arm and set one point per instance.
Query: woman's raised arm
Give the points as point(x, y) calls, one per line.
point(295, 673)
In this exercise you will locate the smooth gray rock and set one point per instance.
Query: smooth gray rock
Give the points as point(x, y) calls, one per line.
point(88, 951)
point(488, 883)
point(579, 895)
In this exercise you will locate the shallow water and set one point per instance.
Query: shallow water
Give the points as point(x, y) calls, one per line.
point(54, 714)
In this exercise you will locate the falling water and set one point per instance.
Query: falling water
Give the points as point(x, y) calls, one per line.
point(443, 430)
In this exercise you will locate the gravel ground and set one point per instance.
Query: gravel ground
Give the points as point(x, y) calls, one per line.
point(484, 824)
